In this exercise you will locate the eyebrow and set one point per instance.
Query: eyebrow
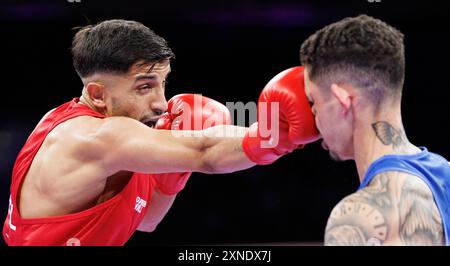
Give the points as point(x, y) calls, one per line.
point(145, 76)
point(148, 76)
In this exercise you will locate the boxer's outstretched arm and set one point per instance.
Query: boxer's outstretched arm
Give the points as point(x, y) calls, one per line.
point(220, 139)
point(224, 152)
point(395, 209)
point(125, 144)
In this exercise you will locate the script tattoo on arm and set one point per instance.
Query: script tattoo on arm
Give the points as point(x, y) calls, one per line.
point(238, 148)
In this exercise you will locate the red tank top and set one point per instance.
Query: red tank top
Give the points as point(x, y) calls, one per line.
point(109, 223)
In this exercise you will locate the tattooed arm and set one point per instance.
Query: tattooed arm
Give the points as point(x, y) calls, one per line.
point(395, 209)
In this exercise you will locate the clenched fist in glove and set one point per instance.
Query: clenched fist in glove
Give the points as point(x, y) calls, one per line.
point(285, 120)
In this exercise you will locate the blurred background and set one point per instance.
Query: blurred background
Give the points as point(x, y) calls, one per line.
point(226, 50)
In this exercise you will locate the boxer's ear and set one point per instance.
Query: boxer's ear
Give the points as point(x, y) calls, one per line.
point(96, 94)
point(343, 96)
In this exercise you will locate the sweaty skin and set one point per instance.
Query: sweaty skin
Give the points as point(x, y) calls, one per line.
point(85, 160)
point(396, 208)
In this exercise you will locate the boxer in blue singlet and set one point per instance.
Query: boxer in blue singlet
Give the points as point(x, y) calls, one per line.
point(354, 75)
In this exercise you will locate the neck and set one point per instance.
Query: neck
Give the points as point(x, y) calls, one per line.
point(379, 134)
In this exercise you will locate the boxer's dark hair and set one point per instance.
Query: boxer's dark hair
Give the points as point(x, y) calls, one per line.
point(116, 45)
point(363, 51)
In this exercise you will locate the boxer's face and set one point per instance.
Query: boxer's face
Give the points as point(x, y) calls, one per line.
point(336, 132)
point(138, 94)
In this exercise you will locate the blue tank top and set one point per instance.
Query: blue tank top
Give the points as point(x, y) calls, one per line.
point(432, 168)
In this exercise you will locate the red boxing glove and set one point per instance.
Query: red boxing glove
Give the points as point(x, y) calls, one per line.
point(272, 137)
point(188, 112)
point(193, 112)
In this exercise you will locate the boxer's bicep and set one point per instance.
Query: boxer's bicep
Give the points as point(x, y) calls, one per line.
point(130, 145)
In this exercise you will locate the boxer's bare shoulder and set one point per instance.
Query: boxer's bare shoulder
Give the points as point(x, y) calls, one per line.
point(67, 168)
point(395, 209)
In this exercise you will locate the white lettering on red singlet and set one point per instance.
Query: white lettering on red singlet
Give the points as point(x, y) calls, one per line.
point(10, 210)
point(73, 242)
point(140, 204)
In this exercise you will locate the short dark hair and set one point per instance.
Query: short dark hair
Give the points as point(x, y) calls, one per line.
point(116, 45)
point(363, 51)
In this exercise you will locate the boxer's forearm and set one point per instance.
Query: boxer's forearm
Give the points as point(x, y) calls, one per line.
point(158, 208)
point(223, 151)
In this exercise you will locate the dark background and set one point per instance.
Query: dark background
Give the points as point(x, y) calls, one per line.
point(226, 50)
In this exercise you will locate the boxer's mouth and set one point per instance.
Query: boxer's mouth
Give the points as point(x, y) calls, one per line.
point(150, 122)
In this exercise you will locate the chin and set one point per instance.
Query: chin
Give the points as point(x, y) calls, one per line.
point(339, 158)
point(335, 157)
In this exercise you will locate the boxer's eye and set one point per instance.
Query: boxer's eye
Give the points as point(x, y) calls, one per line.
point(144, 87)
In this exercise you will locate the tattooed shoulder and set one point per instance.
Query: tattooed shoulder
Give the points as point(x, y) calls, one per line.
point(396, 208)
point(420, 221)
point(360, 219)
